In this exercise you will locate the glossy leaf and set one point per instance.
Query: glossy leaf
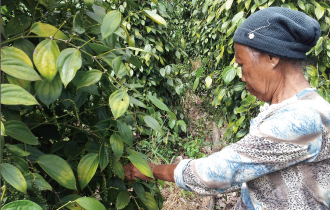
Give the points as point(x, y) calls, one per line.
point(137, 102)
point(19, 69)
point(90, 203)
point(14, 177)
point(150, 202)
point(155, 17)
point(104, 157)
point(86, 168)
point(119, 170)
point(119, 67)
point(89, 78)
point(13, 52)
point(125, 132)
point(152, 123)
point(319, 12)
point(25, 84)
point(21, 164)
point(122, 200)
point(35, 153)
point(172, 123)
point(208, 82)
point(20, 131)
point(228, 74)
point(15, 95)
point(59, 170)
point(3, 133)
point(48, 91)
point(141, 165)
point(117, 144)
point(17, 151)
point(21, 205)
point(46, 30)
point(119, 102)
point(41, 183)
point(110, 23)
point(73, 205)
point(44, 58)
point(68, 62)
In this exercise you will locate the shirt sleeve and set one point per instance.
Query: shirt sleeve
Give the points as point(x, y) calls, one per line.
point(289, 136)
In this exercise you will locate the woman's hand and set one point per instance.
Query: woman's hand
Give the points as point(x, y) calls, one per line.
point(163, 172)
point(131, 172)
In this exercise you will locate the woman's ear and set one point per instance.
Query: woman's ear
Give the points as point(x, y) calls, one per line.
point(274, 61)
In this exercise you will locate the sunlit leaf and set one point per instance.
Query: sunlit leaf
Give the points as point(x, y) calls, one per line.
point(44, 58)
point(46, 30)
point(119, 102)
point(86, 168)
point(15, 95)
point(21, 205)
point(141, 165)
point(155, 17)
point(18, 69)
point(14, 177)
point(90, 203)
point(152, 123)
point(59, 170)
point(110, 23)
point(68, 62)
point(89, 78)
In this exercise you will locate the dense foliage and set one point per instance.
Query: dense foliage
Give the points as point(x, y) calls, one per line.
point(90, 85)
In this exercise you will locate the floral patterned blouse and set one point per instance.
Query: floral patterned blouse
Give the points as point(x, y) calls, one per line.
point(283, 163)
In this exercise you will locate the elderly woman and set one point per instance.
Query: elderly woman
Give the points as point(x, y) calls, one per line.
point(283, 162)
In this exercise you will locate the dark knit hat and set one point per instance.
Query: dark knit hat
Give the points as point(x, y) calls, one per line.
point(280, 32)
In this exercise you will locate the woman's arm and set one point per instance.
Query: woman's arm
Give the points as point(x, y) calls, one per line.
point(164, 172)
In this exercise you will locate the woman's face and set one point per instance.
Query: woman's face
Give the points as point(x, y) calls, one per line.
point(258, 72)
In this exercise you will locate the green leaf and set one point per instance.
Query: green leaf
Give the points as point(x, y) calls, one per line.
point(89, 78)
point(301, 4)
point(14, 177)
point(86, 168)
point(117, 144)
point(132, 3)
point(47, 3)
point(68, 62)
point(59, 170)
point(171, 123)
point(241, 133)
point(319, 12)
point(13, 52)
point(119, 102)
point(228, 74)
point(125, 132)
point(25, 84)
point(46, 30)
point(90, 203)
point(150, 202)
point(35, 153)
point(73, 205)
point(2, 145)
point(104, 157)
point(17, 24)
point(141, 165)
point(21, 205)
point(20, 131)
point(38, 180)
point(18, 69)
point(199, 72)
point(48, 92)
point(152, 123)
point(196, 82)
point(21, 164)
point(78, 25)
point(110, 23)
point(26, 46)
point(122, 199)
point(228, 4)
point(119, 67)
point(139, 190)
point(119, 170)
point(17, 151)
point(183, 125)
point(2, 130)
point(237, 17)
point(208, 82)
point(136, 102)
point(241, 109)
point(135, 61)
point(44, 58)
point(15, 95)
point(158, 103)
point(155, 17)
point(221, 94)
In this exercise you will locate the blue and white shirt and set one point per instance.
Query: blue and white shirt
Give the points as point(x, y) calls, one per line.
point(283, 163)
